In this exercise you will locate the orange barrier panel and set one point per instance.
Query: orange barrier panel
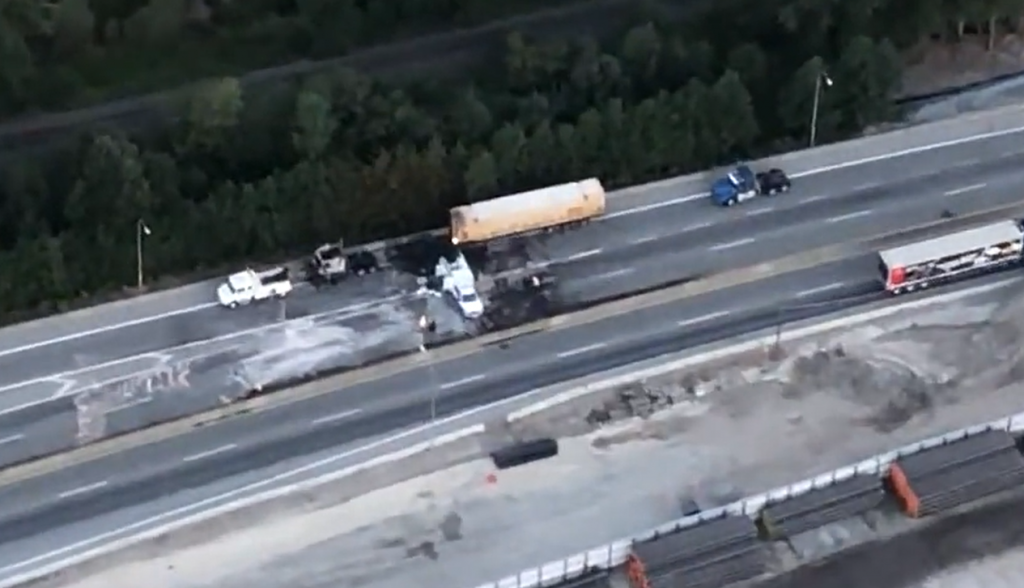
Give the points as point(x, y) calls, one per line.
point(636, 573)
point(904, 492)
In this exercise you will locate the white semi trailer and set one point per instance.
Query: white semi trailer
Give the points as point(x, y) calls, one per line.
point(951, 257)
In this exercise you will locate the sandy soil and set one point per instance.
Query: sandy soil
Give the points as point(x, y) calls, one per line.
point(761, 424)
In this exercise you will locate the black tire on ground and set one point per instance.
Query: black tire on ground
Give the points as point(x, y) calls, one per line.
point(524, 452)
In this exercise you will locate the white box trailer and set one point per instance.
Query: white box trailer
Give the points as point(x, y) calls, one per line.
point(526, 212)
point(954, 256)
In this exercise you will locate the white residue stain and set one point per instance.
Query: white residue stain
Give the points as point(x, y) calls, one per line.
point(304, 346)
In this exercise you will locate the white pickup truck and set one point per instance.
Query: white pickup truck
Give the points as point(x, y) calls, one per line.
point(458, 281)
point(250, 286)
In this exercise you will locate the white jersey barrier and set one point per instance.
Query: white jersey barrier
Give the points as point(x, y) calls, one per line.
point(614, 554)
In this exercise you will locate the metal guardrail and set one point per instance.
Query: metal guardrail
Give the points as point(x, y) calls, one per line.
point(614, 554)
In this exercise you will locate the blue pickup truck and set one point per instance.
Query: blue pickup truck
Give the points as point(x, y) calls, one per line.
point(743, 184)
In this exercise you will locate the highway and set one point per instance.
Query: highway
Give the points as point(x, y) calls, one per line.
point(84, 492)
point(629, 249)
point(185, 355)
point(114, 378)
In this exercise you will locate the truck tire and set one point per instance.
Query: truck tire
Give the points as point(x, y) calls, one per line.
point(524, 453)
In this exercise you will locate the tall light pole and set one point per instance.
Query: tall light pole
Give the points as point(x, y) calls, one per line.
point(141, 230)
point(822, 79)
point(424, 324)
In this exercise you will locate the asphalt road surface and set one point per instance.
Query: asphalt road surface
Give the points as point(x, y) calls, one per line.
point(78, 493)
point(113, 372)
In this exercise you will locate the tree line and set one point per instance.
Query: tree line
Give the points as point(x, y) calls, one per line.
point(64, 53)
point(244, 176)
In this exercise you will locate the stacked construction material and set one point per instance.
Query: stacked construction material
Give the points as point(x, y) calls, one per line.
point(822, 506)
point(956, 473)
point(707, 555)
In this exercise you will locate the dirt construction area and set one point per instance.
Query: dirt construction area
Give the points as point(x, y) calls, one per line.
point(629, 459)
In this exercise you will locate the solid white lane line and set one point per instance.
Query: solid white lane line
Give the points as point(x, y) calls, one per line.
point(820, 289)
point(842, 217)
point(970, 188)
point(462, 382)
point(82, 489)
point(655, 206)
point(696, 226)
point(613, 274)
point(732, 244)
point(336, 417)
point(702, 318)
point(583, 254)
point(11, 439)
point(210, 453)
point(580, 350)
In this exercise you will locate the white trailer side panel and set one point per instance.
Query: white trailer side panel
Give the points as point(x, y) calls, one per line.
point(921, 264)
point(952, 244)
point(528, 211)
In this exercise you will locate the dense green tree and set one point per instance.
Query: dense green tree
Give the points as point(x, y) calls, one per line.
point(110, 197)
point(314, 124)
point(734, 114)
point(214, 109)
point(482, 177)
point(251, 173)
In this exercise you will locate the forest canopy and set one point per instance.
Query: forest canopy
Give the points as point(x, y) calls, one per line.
point(246, 175)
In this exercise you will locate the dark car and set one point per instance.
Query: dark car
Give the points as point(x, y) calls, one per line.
point(773, 181)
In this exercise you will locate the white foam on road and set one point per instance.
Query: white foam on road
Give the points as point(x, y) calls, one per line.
point(302, 347)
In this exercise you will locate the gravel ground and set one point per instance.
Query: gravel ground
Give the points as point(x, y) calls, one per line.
point(731, 430)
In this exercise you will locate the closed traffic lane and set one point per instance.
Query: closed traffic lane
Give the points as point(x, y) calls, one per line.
point(258, 440)
point(76, 363)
